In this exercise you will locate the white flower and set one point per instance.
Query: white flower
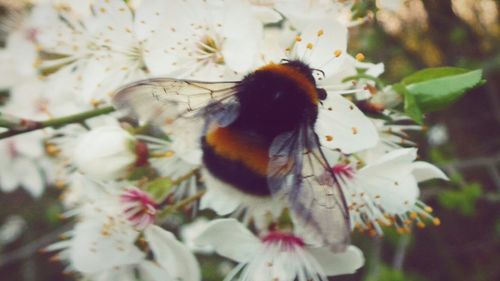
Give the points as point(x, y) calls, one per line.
point(102, 246)
point(200, 40)
point(276, 255)
point(386, 191)
point(22, 164)
point(106, 153)
point(96, 53)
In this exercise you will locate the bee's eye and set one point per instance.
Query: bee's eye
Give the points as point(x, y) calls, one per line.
point(321, 93)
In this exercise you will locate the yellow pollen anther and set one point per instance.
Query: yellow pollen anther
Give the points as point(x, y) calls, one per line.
point(169, 154)
point(309, 45)
point(298, 38)
point(59, 183)
point(52, 149)
point(338, 53)
point(428, 209)
point(436, 221)
point(360, 57)
point(413, 215)
point(420, 224)
point(95, 102)
point(321, 32)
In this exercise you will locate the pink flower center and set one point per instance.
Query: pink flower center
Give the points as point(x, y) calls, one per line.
point(343, 170)
point(140, 208)
point(287, 240)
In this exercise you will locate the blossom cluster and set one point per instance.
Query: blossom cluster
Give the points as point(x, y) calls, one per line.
point(126, 182)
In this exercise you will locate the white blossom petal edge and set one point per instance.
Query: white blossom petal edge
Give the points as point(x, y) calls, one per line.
point(276, 255)
point(172, 255)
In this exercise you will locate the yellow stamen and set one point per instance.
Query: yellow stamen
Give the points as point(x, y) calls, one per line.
point(360, 57)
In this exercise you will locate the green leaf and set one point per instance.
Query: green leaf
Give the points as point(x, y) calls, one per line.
point(436, 88)
point(412, 109)
point(463, 200)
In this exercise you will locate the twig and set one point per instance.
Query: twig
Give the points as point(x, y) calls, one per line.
point(57, 122)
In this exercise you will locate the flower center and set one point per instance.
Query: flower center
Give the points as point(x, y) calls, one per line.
point(286, 240)
point(209, 48)
point(343, 170)
point(139, 207)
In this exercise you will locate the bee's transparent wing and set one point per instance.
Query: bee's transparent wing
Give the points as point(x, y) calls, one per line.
point(162, 101)
point(299, 170)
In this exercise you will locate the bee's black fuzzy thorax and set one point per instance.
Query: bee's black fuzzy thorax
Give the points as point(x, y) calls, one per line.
point(277, 98)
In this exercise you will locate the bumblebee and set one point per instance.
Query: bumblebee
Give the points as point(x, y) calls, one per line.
point(258, 137)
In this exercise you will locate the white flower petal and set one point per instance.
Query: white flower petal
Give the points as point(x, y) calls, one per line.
point(339, 263)
point(172, 255)
point(153, 272)
point(342, 125)
point(30, 176)
point(397, 194)
point(425, 171)
point(324, 47)
point(395, 163)
point(215, 198)
point(8, 182)
point(230, 239)
point(95, 250)
point(243, 32)
point(105, 152)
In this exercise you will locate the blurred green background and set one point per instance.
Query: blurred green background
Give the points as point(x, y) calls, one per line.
point(464, 141)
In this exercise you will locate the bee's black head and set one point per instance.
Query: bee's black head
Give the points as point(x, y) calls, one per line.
point(307, 71)
point(301, 67)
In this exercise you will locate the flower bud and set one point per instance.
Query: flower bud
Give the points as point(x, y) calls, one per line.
point(106, 153)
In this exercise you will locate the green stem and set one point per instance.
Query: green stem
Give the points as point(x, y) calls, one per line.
point(58, 122)
point(181, 204)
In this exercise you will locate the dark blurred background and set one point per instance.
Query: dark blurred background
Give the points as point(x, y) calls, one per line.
point(464, 140)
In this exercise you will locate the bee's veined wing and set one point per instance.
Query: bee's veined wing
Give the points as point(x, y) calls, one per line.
point(299, 170)
point(162, 101)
